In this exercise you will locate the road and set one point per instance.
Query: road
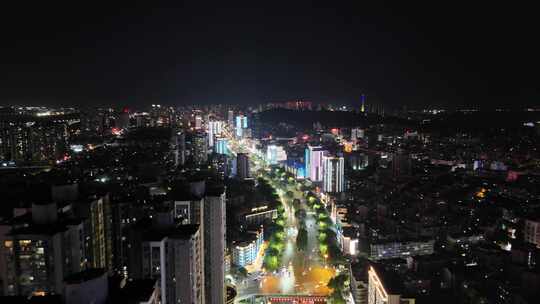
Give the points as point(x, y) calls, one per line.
point(301, 273)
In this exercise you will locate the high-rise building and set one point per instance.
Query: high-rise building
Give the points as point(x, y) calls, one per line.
point(230, 118)
point(531, 232)
point(333, 174)
point(242, 166)
point(363, 101)
point(37, 251)
point(214, 245)
point(241, 124)
point(357, 133)
point(179, 148)
point(220, 164)
point(199, 148)
point(314, 163)
point(96, 215)
point(198, 122)
point(181, 279)
point(357, 160)
point(34, 138)
point(401, 163)
point(222, 145)
point(123, 119)
point(214, 129)
point(189, 210)
point(238, 126)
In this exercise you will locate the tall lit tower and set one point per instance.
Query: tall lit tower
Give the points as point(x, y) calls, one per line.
point(363, 101)
point(314, 158)
point(215, 128)
point(333, 174)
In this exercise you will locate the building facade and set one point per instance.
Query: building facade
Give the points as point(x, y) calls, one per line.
point(214, 245)
point(314, 163)
point(242, 166)
point(333, 174)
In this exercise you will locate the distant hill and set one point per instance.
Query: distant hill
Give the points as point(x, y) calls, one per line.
point(333, 119)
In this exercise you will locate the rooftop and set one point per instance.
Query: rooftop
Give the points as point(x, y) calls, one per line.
point(182, 232)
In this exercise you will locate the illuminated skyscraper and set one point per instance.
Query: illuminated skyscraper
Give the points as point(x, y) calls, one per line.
point(363, 101)
point(333, 174)
point(314, 163)
point(241, 124)
point(199, 148)
point(214, 129)
point(198, 122)
point(238, 126)
point(222, 145)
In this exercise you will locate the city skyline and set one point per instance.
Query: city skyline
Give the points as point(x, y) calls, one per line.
point(271, 153)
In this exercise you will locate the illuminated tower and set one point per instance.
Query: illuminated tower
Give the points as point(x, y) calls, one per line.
point(314, 163)
point(363, 101)
point(333, 174)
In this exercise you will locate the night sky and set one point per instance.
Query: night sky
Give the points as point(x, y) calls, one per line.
point(461, 54)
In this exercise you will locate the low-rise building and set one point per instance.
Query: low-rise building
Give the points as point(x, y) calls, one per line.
point(245, 251)
point(400, 249)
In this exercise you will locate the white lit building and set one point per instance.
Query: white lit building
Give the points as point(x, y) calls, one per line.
point(349, 241)
point(333, 174)
point(400, 249)
point(275, 154)
point(532, 232)
point(198, 122)
point(241, 124)
point(244, 253)
point(314, 163)
point(214, 129)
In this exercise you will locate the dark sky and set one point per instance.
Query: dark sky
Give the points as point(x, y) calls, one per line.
point(458, 53)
